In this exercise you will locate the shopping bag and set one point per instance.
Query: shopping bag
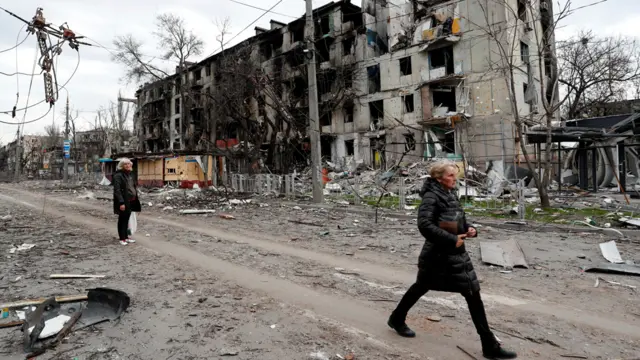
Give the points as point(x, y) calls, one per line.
point(133, 224)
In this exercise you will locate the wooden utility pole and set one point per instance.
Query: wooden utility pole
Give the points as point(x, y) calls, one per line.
point(314, 117)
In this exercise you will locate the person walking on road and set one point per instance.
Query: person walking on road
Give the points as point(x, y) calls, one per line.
point(444, 264)
point(125, 198)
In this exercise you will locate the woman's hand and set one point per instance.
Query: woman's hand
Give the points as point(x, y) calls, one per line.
point(122, 207)
point(472, 232)
point(460, 240)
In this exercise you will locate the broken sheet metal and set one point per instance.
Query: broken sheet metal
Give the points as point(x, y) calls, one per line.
point(103, 305)
point(610, 252)
point(507, 254)
point(624, 269)
point(49, 318)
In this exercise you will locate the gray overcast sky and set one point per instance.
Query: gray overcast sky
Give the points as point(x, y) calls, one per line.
point(97, 79)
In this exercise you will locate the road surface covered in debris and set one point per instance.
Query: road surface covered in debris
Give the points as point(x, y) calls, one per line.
point(178, 310)
point(550, 309)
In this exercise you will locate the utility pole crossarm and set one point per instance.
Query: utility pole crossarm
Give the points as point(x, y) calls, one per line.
point(314, 116)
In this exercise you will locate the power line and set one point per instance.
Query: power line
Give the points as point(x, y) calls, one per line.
point(40, 102)
point(243, 30)
point(17, 44)
point(259, 8)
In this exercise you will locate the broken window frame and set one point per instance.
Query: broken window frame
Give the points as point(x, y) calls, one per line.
point(524, 52)
point(347, 45)
point(374, 82)
point(522, 11)
point(350, 147)
point(409, 142)
point(177, 107)
point(326, 119)
point(408, 103)
point(348, 113)
point(405, 66)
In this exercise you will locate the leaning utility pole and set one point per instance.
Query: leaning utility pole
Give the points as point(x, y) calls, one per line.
point(66, 147)
point(314, 123)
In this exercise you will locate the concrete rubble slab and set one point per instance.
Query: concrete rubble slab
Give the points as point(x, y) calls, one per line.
point(507, 254)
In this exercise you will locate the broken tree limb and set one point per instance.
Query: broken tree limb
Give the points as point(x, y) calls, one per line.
point(60, 299)
point(300, 222)
point(11, 324)
point(76, 276)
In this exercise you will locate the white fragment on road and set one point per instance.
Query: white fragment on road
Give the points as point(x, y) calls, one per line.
point(52, 327)
point(610, 252)
point(297, 208)
point(319, 356)
point(189, 292)
point(273, 326)
point(23, 247)
point(196, 211)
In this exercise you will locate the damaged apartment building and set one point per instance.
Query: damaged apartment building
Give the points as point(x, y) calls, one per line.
point(396, 78)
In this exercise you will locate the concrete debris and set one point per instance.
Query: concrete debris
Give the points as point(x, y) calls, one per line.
point(507, 254)
point(6, 218)
point(23, 247)
point(610, 252)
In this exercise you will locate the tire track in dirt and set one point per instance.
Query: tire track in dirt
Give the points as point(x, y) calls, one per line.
point(374, 271)
point(353, 315)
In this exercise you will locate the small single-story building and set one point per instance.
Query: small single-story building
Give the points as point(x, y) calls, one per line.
point(184, 169)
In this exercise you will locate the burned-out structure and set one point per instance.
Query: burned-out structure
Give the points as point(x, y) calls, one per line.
point(395, 78)
point(432, 88)
point(248, 104)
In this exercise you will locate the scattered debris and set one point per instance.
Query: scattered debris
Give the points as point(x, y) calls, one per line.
point(626, 269)
point(6, 218)
point(59, 299)
point(619, 284)
point(74, 276)
point(319, 356)
point(226, 217)
point(305, 223)
point(196, 211)
point(572, 356)
point(226, 352)
point(507, 254)
point(49, 318)
point(632, 222)
point(611, 253)
point(434, 318)
point(23, 247)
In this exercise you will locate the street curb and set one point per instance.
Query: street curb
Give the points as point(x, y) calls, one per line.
point(528, 226)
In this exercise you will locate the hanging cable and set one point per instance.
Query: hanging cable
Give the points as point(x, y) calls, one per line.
point(42, 101)
point(17, 43)
point(33, 74)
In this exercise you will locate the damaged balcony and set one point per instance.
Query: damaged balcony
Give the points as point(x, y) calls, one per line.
point(438, 31)
point(442, 68)
point(444, 104)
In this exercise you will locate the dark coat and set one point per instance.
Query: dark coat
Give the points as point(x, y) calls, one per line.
point(122, 195)
point(442, 266)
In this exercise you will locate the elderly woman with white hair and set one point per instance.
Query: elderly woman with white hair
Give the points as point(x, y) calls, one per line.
point(125, 198)
point(444, 264)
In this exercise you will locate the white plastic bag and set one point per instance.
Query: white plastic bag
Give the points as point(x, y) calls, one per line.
point(133, 224)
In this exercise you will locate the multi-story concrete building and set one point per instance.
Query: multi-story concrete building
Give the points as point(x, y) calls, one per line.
point(395, 78)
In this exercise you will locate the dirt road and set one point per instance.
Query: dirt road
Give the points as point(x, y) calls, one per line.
point(359, 293)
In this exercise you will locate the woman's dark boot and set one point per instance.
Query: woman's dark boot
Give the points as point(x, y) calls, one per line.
point(400, 326)
point(491, 349)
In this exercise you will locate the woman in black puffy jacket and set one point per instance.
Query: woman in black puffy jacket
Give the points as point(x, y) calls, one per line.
point(444, 264)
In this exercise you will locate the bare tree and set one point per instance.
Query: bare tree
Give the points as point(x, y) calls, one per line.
point(538, 61)
point(117, 125)
point(597, 70)
point(178, 45)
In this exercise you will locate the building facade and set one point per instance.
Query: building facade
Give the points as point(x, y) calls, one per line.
point(396, 79)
